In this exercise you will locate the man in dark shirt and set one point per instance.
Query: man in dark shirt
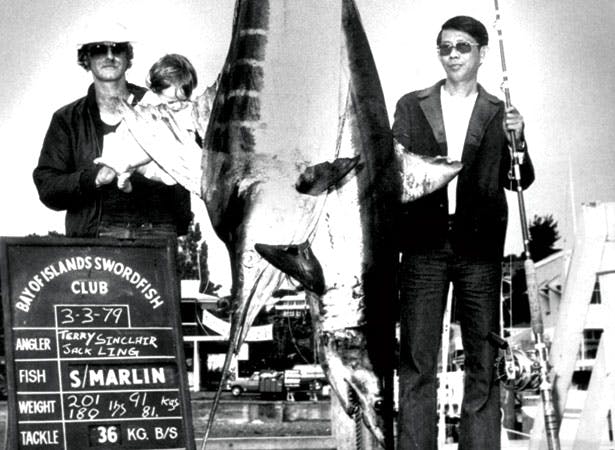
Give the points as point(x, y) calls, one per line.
point(455, 235)
point(66, 176)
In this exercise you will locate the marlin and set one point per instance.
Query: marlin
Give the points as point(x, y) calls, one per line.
point(301, 178)
point(349, 268)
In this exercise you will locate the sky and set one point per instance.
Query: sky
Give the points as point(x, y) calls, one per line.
point(559, 55)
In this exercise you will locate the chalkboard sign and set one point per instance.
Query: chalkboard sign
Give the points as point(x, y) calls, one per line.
point(93, 345)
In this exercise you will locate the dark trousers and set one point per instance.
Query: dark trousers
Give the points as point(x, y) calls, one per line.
point(424, 283)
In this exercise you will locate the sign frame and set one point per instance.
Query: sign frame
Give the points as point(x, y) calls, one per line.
point(153, 259)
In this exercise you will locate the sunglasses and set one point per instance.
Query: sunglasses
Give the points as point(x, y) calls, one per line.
point(463, 47)
point(100, 49)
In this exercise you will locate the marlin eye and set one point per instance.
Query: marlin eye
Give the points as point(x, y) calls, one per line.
point(250, 258)
point(378, 405)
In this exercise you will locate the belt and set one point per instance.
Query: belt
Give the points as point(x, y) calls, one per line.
point(131, 230)
point(138, 226)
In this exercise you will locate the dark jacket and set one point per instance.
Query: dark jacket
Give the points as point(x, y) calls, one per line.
point(65, 175)
point(481, 213)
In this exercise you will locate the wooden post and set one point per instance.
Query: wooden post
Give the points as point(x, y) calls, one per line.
point(593, 426)
point(445, 345)
point(586, 262)
point(196, 367)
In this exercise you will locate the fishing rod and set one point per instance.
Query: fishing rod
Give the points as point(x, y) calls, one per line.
point(546, 387)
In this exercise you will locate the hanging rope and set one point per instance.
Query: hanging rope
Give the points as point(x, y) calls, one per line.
point(356, 417)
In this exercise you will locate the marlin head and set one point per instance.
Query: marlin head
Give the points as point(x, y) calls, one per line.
point(338, 318)
point(352, 377)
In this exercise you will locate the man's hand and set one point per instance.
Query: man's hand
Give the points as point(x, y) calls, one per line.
point(513, 122)
point(104, 176)
point(115, 165)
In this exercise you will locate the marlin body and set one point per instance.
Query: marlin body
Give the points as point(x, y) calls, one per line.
point(349, 266)
point(353, 248)
point(301, 178)
point(275, 114)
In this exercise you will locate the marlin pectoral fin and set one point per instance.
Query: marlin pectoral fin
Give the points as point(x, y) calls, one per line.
point(319, 178)
point(298, 261)
point(422, 175)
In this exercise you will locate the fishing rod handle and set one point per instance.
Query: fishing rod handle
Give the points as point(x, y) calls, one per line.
point(532, 294)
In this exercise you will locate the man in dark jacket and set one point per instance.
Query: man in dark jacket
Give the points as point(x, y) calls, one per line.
point(455, 235)
point(66, 176)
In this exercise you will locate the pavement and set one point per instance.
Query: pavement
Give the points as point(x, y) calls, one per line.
point(258, 434)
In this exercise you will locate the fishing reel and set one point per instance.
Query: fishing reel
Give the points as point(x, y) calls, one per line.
point(516, 369)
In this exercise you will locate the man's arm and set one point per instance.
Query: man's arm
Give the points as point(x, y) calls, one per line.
point(401, 123)
point(59, 183)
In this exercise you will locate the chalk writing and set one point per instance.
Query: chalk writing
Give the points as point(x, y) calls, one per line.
point(94, 352)
point(87, 286)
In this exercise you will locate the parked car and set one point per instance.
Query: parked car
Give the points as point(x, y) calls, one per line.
point(302, 379)
point(269, 381)
point(311, 376)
